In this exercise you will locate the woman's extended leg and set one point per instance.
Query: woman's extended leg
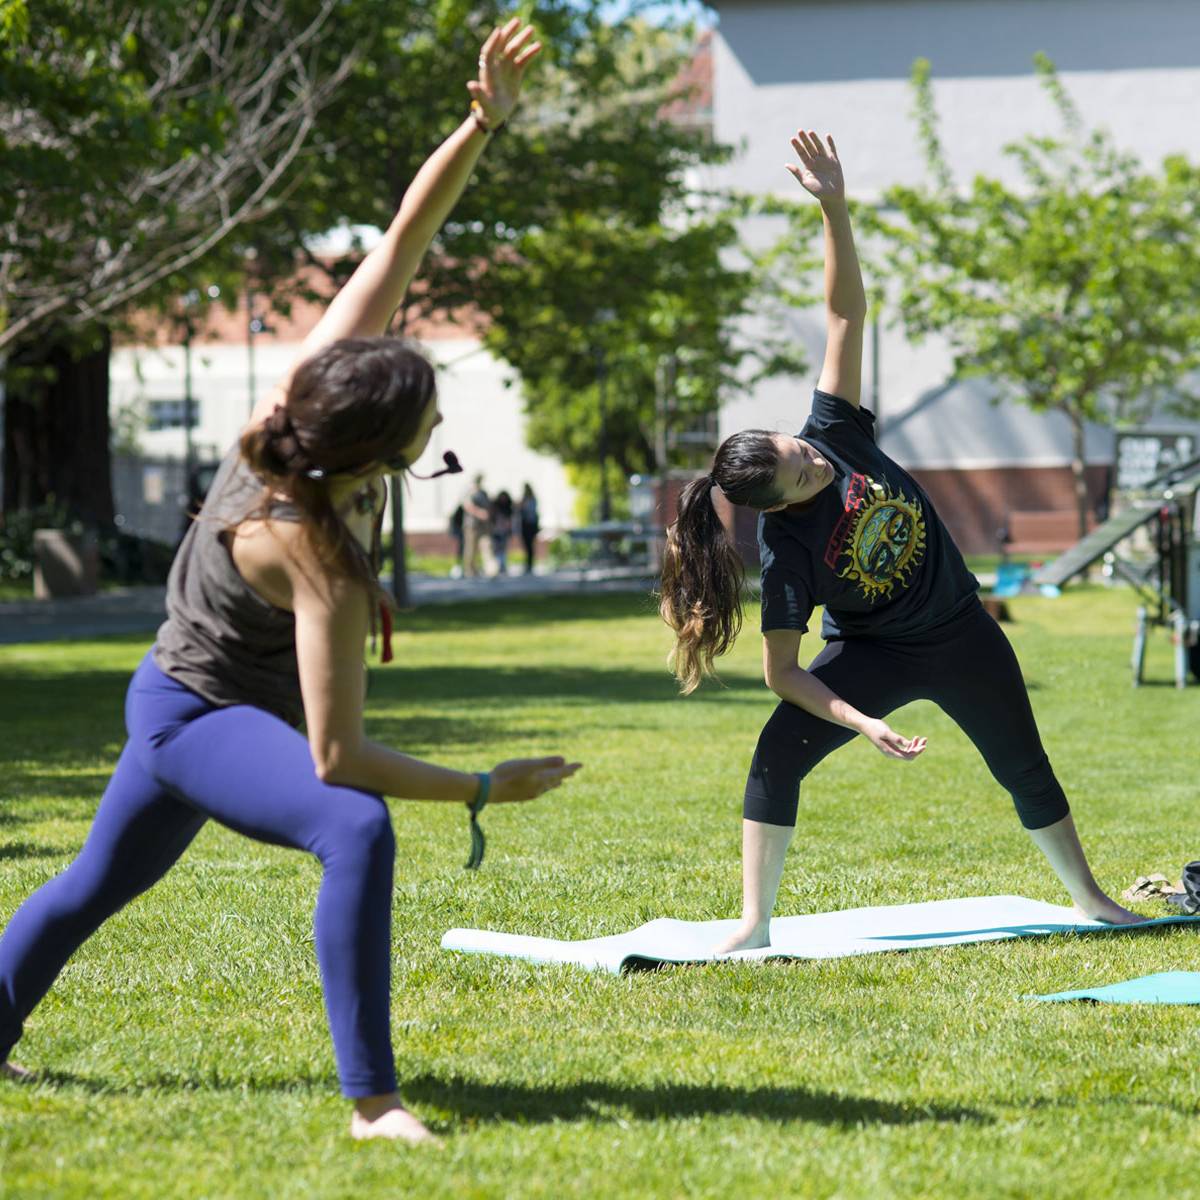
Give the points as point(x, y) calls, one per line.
point(872, 677)
point(138, 833)
point(254, 773)
point(980, 687)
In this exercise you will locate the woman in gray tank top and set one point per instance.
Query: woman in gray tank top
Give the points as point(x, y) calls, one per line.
point(270, 602)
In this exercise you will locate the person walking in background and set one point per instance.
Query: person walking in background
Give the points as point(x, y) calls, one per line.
point(456, 532)
point(529, 525)
point(502, 530)
point(477, 514)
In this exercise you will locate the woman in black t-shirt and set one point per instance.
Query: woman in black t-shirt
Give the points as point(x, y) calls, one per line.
point(842, 525)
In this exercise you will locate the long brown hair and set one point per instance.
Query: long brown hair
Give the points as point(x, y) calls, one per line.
point(356, 402)
point(701, 589)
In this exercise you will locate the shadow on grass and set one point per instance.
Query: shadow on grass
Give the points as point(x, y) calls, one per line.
point(65, 784)
point(485, 686)
point(15, 850)
point(526, 610)
point(318, 1085)
point(94, 700)
point(592, 1101)
point(430, 735)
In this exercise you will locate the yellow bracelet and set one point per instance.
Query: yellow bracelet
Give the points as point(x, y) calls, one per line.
point(481, 120)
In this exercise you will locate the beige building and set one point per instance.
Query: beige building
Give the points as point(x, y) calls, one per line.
point(480, 399)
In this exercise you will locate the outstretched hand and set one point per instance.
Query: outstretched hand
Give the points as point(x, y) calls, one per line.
point(890, 743)
point(525, 778)
point(502, 63)
point(819, 171)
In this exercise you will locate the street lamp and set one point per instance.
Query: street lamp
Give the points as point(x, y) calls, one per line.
point(190, 302)
point(604, 316)
point(254, 325)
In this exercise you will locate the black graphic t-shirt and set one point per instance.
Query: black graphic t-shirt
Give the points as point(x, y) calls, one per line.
point(869, 546)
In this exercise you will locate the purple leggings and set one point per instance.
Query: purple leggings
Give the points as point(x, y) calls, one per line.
point(187, 760)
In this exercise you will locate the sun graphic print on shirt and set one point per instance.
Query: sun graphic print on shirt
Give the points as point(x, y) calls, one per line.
point(885, 543)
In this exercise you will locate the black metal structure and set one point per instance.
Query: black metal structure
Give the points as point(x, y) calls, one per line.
point(1168, 579)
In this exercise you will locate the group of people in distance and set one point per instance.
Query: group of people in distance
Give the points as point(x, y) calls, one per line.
point(274, 593)
point(494, 519)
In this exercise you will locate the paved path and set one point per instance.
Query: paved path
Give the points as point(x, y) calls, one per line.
point(140, 609)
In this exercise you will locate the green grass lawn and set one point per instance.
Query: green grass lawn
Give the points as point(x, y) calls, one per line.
point(184, 1049)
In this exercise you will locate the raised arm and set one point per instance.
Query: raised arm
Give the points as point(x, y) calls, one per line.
point(820, 173)
point(365, 305)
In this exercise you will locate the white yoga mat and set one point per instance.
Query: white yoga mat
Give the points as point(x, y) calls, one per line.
point(818, 935)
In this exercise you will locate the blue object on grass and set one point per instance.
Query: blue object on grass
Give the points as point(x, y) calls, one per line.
point(1167, 987)
point(1010, 579)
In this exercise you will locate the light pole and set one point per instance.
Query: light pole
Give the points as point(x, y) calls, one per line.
point(191, 301)
point(399, 549)
point(604, 317)
point(254, 325)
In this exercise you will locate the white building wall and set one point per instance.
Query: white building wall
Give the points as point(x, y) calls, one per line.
point(484, 420)
point(842, 66)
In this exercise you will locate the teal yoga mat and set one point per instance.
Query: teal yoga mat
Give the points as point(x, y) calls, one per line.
point(1167, 987)
point(813, 935)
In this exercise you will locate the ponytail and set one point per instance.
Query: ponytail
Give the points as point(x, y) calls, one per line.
point(701, 586)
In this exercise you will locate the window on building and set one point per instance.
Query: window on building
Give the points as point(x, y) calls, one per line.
point(168, 414)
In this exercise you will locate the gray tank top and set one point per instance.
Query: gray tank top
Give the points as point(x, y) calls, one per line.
point(221, 639)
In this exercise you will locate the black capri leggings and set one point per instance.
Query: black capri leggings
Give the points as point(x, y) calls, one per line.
point(967, 667)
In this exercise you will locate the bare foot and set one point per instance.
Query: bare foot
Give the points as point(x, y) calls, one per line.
point(1108, 911)
point(746, 937)
point(16, 1074)
point(386, 1117)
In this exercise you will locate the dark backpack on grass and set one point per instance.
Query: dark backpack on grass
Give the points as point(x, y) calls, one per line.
point(1189, 901)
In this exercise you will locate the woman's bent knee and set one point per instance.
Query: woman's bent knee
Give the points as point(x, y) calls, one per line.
point(1037, 794)
point(362, 827)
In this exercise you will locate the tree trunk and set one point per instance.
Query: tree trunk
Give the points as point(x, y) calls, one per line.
point(1079, 467)
point(56, 432)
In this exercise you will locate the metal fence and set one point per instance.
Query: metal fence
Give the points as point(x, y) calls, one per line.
point(150, 497)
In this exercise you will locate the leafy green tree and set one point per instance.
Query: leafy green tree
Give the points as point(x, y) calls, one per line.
point(595, 306)
point(137, 136)
point(1075, 289)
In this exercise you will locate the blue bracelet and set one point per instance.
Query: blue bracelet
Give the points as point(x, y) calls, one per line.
point(475, 808)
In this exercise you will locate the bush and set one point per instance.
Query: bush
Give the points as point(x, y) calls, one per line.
point(123, 557)
point(16, 537)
